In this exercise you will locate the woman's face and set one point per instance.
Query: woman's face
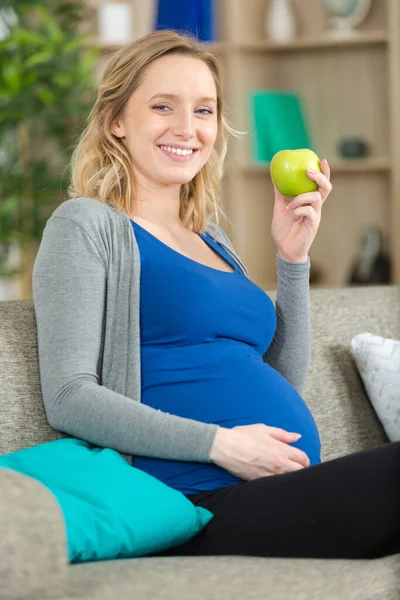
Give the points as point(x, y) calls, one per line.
point(170, 121)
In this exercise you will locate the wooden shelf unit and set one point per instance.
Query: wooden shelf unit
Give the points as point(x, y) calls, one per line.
point(349, 87)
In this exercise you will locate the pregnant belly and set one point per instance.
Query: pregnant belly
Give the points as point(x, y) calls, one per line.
point(236, 390)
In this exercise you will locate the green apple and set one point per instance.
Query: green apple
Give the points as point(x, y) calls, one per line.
point(288, 171)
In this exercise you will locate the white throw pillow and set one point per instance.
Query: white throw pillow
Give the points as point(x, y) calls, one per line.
point(378, 362)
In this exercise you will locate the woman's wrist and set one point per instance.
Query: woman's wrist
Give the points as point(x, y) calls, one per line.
point(220, 440)
point(294, 259)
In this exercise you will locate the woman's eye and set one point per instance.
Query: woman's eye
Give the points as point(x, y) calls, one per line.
point(161, 106)
point(207, 111)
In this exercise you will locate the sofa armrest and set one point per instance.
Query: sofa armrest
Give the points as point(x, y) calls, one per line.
point(33, 549)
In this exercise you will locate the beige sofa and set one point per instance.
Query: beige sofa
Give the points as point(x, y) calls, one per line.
point(33, 559)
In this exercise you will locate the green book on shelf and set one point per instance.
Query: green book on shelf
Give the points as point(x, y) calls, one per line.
point(278, 123)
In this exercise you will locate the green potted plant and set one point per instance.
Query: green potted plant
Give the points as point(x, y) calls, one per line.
point(47, 87)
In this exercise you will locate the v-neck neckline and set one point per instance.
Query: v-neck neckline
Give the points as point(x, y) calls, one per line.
point(202, 236)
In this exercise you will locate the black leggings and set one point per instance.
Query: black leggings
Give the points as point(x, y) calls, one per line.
point(348, 507)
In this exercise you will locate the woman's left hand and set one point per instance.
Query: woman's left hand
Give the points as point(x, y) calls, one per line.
point(295, 223)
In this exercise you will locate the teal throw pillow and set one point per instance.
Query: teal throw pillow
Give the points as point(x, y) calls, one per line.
point(111, 509)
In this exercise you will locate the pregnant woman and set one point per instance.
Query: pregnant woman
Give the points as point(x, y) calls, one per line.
point(154, 342)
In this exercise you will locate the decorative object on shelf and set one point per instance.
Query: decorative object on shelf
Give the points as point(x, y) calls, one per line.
point(371, 266)
point(353, 148)
point(115, 22)
point(280, 23)
point(196, 17)
point(347, 14)
point(278, 123)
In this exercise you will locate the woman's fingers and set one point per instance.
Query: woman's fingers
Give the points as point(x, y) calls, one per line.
point(310, 198)
point(321, 179)
point(282, 435)
point(326, 168)
point(293, 466)
point(298, 456)
point(286, 437)
point(305, 211)
point(268, 451)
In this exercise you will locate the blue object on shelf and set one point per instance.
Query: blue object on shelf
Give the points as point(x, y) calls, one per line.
point(278, 123)
point(187, 16)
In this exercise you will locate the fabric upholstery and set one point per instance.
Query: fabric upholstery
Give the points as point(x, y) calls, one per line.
point(23, 420)
point(33, 550)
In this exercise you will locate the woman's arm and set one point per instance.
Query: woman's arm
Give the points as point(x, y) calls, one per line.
point(69, 291)
point(293, 229)
point(290, 349)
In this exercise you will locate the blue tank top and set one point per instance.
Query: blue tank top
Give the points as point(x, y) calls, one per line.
point(203, 336)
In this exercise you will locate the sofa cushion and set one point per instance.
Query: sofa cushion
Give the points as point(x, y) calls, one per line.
point(111, 509)
point(378, 362)
point(236, 578)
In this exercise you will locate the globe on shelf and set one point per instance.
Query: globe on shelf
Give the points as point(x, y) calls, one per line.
point(346, 15)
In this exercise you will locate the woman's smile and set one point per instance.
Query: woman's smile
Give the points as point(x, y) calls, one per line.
point(178, 154)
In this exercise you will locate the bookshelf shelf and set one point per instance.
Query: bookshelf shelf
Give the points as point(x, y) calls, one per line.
point(367, 38)
point(218, 47)
point(366, 165)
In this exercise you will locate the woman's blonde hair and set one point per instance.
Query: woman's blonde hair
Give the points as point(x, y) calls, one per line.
point(101, 166)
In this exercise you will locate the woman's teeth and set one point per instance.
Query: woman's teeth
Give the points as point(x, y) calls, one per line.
point(177, 151)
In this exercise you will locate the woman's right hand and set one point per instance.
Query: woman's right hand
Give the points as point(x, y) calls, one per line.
point(254, 451)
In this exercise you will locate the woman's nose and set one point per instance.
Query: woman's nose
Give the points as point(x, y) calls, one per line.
point(184, 125)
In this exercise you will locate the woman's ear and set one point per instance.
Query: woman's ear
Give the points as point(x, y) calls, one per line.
point(118, 129)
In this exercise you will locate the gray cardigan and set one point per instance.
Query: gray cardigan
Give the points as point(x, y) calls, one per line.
point(86, 292)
